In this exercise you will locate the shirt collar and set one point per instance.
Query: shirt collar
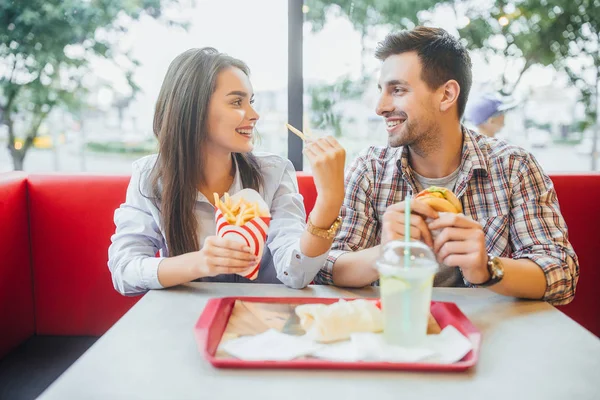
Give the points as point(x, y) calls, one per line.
point(472, 156)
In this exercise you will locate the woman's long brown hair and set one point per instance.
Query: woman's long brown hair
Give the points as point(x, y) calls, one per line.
point(180, 122)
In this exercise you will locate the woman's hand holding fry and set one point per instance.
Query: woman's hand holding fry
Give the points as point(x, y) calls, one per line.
point(327, 159)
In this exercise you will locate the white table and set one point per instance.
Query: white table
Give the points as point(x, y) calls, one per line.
point(530, 350)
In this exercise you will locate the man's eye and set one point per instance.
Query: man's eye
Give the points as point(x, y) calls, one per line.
point(238, 102)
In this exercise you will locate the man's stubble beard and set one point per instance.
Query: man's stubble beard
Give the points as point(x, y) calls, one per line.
point(421, 140)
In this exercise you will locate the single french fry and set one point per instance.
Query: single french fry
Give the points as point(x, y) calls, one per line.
point(296, 131)
point(247, 213)
point(217, 201)
point(224, 208)
point(230, 218)
point(235, 208)
point(227, 200)
point(250, 210)
point(239, 221)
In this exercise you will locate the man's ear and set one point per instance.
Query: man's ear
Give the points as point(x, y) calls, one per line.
point(450, 92)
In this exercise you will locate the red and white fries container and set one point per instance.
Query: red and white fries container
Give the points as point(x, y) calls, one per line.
point(253, 233)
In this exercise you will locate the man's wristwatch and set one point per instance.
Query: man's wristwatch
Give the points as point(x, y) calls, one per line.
point(496, 270)
point(328, 233)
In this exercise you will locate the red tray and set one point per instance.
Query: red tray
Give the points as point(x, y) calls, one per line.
point(212, 324)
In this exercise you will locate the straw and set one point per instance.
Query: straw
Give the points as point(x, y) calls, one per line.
point(407, 230)
point(406, 297)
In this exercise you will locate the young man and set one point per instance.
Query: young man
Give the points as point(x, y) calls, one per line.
point(511, 237)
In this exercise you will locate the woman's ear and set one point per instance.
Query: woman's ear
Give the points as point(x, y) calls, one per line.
point(450, 93)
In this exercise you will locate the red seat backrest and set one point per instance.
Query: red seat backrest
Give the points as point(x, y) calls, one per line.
point(583, 218)
point(16, 291)
point(306, 186)
point(71, 219)
point(71, 225)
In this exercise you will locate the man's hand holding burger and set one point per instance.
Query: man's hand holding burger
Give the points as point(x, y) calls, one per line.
point(393, 222)
point(461, 241)
point(424, 207)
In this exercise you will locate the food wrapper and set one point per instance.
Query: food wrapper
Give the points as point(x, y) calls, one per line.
point(252, 233)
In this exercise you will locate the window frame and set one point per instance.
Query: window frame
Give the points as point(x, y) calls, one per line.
point(295, 80)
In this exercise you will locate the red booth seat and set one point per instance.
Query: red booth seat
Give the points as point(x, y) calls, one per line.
point(55, 231)
point(16, 288)
point(582, 218)
point(71, 220)
point(71, 224)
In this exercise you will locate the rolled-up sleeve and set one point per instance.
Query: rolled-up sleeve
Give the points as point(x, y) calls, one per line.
point(539, 232)
point(360, 226)
point(288, 222)
point(132, 254)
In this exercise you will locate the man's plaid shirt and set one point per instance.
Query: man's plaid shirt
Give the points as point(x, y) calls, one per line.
point(500, 185)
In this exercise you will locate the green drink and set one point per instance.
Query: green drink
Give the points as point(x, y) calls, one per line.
point(406, 291)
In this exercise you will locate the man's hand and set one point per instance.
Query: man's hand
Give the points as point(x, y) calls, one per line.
point(461, 243)
point(393, 222)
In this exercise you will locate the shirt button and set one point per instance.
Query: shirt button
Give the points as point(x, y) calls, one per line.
point(297, 256)
point(285, 273)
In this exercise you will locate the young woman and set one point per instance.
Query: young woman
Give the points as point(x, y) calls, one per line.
point(205, 125)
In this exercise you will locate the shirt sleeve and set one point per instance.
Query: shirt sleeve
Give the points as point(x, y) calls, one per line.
point(288, 222)
point(132, 254)
point(360, 224)
point(538, 231)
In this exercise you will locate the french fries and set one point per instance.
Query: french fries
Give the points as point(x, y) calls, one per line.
point(238, 213)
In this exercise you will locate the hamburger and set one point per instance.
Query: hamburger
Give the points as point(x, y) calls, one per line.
point(440, 199)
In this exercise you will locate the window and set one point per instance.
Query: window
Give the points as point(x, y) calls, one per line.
point(312, 65)
point(116, 128)
point(340, 87)
point(548, 117)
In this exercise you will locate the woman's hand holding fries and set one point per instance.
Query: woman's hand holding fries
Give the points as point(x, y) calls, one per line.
point(218, 256)
point(222, 256)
